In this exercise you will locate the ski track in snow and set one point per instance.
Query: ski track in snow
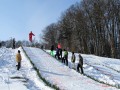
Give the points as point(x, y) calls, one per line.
point(107, 74)
point(59, 74)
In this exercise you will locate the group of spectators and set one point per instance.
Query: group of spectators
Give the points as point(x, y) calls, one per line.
point(64, 58)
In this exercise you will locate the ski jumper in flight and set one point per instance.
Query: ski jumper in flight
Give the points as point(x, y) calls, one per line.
point(30, 36)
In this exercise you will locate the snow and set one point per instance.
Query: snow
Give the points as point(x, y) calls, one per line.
point(68, 79)
point(102, 69)
point(106, 70)
point(24, 79)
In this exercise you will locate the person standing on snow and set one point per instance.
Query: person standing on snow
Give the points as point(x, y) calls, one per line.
point(13, 43)
point(60, 51)
point(57, 53)
point(80, 64)
point(52, 48)
point(30, 36)
point(0, 44)
point(73, 58)
point(65, 58)
point(18, 59)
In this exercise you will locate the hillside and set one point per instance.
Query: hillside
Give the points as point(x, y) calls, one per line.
point(54, 73)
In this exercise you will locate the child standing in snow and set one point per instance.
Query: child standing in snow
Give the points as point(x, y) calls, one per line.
point(73, 59)
point(80, 64)
point(18, 59)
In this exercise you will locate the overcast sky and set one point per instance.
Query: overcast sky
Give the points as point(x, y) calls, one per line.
point(19, 17)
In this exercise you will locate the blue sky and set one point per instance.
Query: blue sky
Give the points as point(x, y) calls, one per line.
point(19, 17)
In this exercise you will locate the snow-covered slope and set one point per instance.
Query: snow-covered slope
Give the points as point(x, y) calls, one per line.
point(101, 69)
point(107, 69)
point(24, 79)
point(65, 78)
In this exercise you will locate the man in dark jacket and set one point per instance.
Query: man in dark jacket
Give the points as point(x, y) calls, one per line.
point(60, 51)
point(80, 64)
point(57, 53)
point(13, 43)
point(0, 44)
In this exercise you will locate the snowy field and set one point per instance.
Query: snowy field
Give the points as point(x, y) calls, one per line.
point(105, 70)
point(24, 79)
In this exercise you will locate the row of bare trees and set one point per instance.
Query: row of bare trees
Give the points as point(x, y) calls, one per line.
point(9, 43)
point(91, 26)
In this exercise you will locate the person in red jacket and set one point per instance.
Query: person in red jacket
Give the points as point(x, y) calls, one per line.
point(60, 50)
point(30, 36)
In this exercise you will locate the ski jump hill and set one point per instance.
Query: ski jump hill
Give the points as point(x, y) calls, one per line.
point(59, 76)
